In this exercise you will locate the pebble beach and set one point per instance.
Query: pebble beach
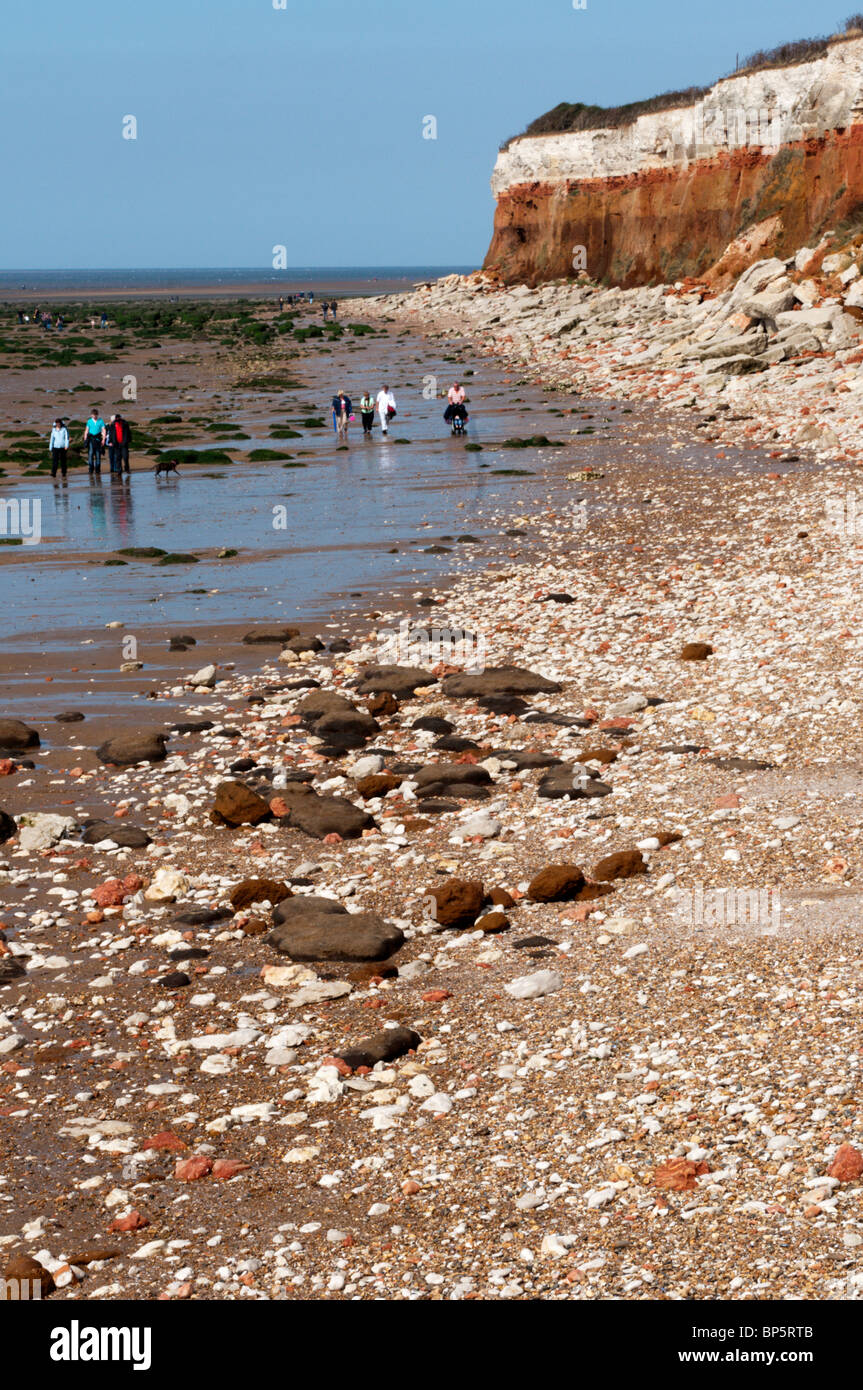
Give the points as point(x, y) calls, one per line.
point(500, 938)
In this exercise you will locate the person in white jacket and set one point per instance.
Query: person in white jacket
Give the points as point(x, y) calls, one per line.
point(385, 402)
point(58, 444)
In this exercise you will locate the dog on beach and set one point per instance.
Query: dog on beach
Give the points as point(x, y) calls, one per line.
point(166, 466)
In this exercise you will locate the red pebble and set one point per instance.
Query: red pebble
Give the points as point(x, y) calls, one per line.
point(847, 1166)
point(132, 1221)
point(339, 1063)
point(110, 893)
point(190, 1169)
point(228, 1167)
point(165, 1139)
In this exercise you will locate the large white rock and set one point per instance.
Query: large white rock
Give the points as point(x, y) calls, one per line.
point(481, 824)
point(167, 885)
point(809, 318)
point(368, 766)
point(40, 830)
point(205, 677)
point(535, 986)
point(215, 1042)
point(854, 297)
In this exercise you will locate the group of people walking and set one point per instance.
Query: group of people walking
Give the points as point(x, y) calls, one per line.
point(43, 318)
point(383, 404)
point(115, 436)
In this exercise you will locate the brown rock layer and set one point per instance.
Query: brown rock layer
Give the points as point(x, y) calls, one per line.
point(661, 225)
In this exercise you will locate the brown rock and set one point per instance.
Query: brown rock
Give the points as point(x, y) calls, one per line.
point(458, 902)
point(500, 680)
point(591, 891)
point(501, 898)
point(320, 816)
point(668, 837)
point(598, 755)
point(319, 703)
point(493, 922)
point(270, 636)
point(11, 969)
point(373, 970)
point(143, 746)
point(382, 706)
point(696, 651)
point(399, 681)
point(385, 1046)
point(847, 1166)
point(258, 890)
point(378, 784)
point(15, 734)
point(91, 1257)
point(556, 883)
point(21, 1277)
point(236, 804)
point(313, 928)
point(255, 926)
point(451, 774)
point(8, 828)
point(625, 864)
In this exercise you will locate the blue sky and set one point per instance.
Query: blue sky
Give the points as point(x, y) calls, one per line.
point(303, 126)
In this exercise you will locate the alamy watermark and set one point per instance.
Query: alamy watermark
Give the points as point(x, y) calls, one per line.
point(733, 127)
point(20, 1290)
point(21, 519)
point(844, 517)
point(407, 646)
point(728, 907)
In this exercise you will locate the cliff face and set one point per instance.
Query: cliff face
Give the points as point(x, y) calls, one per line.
point(661, 199)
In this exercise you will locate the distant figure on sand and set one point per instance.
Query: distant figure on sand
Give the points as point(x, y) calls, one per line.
point(94, 438)
point(341, 416)
point(334, 308)
point(325, 308)
point(367, 412)
point(58, 444)
point(386, 404)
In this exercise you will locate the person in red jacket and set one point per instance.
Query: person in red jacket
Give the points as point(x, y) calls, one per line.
point(118, 444)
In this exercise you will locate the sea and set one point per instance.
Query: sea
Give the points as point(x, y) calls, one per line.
point(188, 282)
